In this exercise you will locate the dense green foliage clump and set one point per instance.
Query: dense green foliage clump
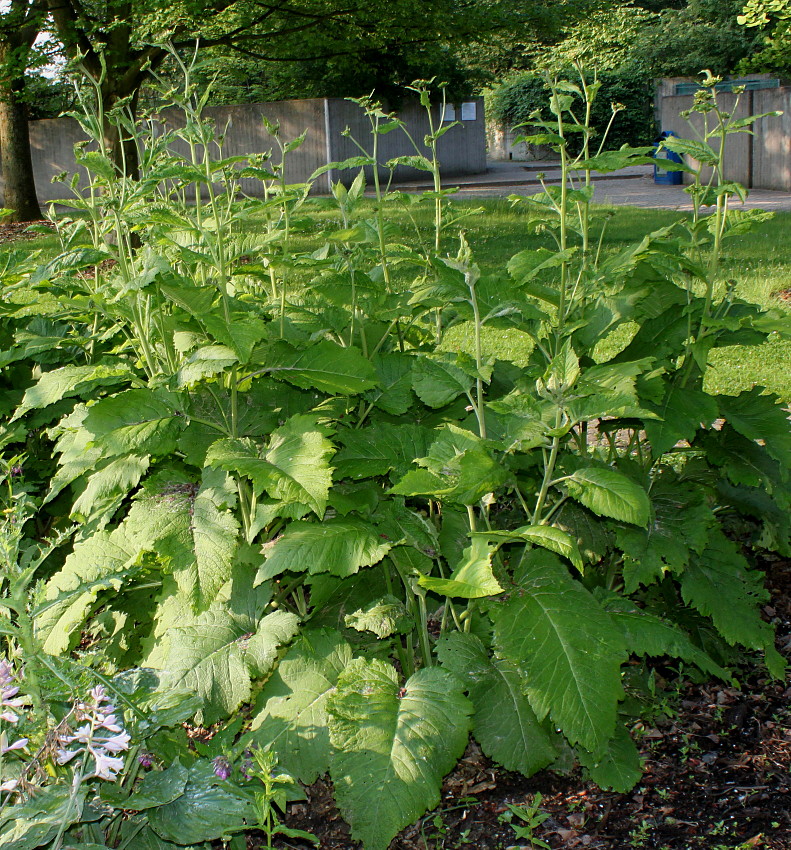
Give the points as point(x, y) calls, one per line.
point(515, 103)
point(250, 485)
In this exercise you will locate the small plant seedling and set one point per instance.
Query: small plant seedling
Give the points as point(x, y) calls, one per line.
point(531, 817)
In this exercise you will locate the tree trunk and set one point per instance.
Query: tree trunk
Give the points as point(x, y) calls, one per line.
point(15, 159)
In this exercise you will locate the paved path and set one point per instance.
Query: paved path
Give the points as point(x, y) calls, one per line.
point(632, 186)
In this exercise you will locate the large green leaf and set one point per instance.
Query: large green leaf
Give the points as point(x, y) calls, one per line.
point(139, 421)
point(293, 719)
point(300, 451)
point(108, 486)
point(609, 493)
point(336, 546)
point(36, 821)
point(438, 380)
point(720, 585)
point(394, 373)
point(158, 788)
point(204, 812)
point(546, 536)
point(214, 541)
point(70, 381)
point(103, 562)
point(567, 647)
point(646, 633)
point(683, 411)
point(619, 767)
point(323, 366)
point(384, 616)
point(379, 448)
point(207, 360)
point(241, 333)
point(393, 746)
point(216, 653)
point(472, 579)
point(504, 724)
point(759, 417)
point(680, 519)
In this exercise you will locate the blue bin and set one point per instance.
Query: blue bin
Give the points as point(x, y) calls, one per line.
point(661, 175)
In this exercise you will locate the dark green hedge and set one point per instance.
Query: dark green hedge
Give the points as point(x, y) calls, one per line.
point(514, 102)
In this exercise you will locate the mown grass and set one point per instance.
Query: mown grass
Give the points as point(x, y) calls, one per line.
point(759, 262)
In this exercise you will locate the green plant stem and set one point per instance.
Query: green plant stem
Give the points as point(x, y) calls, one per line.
point(549, 471)
point(75, 789)
point(29, 647)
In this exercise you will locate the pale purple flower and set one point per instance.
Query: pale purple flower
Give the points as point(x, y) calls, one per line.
point(17, 745)
point(222, 767)
point(8, 694)
point(99, 717)
point(107, 767)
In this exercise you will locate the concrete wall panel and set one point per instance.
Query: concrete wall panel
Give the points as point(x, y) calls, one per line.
point(462, 149)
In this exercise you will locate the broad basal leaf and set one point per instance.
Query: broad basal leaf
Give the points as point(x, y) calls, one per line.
point(215, 654)
point(100, 563)
point(720, 585)
point(157, 788)
point(108, 486)
point(336, 546)
point(567, 647)
point(207, 360)
point(383, 617)
point(472, 579)
point(293, 718)
point(546, 536)
point(678, 525)
point(392, 746)
point(214, 537)
point(759, 417)
point(609, 493)
point(646, 633)
point(683, 411)
point(240, 334)
point(504, 724)
point(394, 391)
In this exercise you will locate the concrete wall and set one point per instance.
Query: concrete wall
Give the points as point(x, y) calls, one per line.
point(761, 160)
point(462, 150)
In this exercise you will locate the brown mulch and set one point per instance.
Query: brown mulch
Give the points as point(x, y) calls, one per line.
point(784, 294)
point(717, 775)
point(13, 231)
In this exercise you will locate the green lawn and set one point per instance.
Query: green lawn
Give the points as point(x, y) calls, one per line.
point(759, 263)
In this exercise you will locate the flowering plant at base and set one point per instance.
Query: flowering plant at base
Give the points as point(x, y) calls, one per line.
point(91, 738)
point(9, 700)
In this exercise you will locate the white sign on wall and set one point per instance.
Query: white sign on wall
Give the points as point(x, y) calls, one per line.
point(469, 111)
point(450, 112)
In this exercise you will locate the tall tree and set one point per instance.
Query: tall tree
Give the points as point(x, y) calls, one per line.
point(20, 24)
